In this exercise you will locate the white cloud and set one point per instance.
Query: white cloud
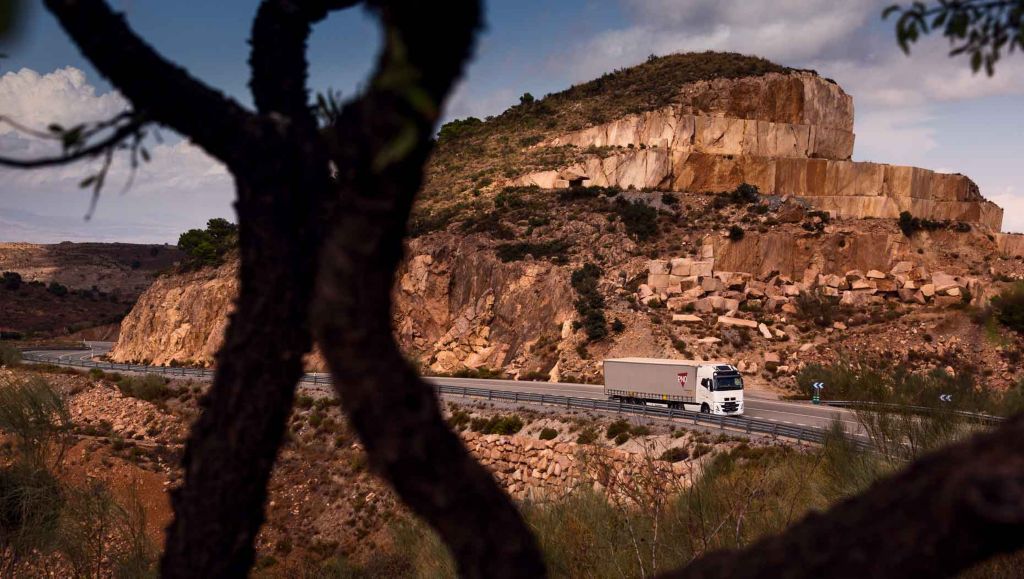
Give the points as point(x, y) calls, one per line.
point(179, 188)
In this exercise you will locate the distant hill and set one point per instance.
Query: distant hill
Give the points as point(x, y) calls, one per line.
point(64, 288)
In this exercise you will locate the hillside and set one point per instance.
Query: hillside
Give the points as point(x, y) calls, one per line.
point(699, 205)
point(64, 288)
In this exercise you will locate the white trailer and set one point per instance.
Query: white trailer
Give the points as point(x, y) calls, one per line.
point(710, 387)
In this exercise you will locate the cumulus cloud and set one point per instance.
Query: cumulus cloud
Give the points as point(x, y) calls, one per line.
point(179, 188)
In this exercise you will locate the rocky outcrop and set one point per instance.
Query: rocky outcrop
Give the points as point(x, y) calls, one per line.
point(786, 134)
point(845, 188)
point(179, 319)
point(798, 98)
point(456, 307)
point(671, 128)
point(1011, 245)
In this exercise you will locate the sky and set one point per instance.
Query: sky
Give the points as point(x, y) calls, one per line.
point(925, 110)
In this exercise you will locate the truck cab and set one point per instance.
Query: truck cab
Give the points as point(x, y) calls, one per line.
point(719, 389)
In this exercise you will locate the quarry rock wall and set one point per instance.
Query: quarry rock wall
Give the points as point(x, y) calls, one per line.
point(786, 134)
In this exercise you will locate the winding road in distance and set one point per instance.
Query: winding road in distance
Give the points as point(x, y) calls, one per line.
point(790, 413)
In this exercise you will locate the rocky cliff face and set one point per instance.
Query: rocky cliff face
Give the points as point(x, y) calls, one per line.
point(180, 319)
point(456, 307)
point(786, 134)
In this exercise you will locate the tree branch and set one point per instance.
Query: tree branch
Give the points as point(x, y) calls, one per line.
point(380, 144)
point(93, 150)
point(164, 91)
point(278, 58)
point(948, 511)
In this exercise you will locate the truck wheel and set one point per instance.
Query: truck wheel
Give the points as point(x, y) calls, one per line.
point(704, 408)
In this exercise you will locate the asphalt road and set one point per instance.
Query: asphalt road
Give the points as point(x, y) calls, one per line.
point(784, 412)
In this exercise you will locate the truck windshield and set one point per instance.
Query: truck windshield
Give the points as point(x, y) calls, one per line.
point(728, 383)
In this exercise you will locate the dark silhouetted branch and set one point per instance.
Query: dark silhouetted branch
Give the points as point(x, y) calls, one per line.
point(946, 512)
point(381, 145)
point(167, 92)
point(278, 58)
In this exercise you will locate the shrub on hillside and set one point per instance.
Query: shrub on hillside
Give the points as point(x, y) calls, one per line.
point(1008, 307)
point(148, 387)
point(9, 355)
point(458, 128)
point(497, 425)
point(516, 251)
point(207, 247)
point(736, 233)
point(548, 434)
point(57, 289)
point(11, 280)
point(675, 454)
point(640, 220)
point(587, 436)
point(616, 428)
point(589, 302)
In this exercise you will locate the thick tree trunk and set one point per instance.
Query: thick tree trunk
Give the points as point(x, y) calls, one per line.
point(233, 445)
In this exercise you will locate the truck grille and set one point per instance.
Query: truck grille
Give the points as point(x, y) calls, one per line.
point(730, 406)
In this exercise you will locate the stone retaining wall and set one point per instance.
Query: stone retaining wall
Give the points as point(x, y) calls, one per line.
point(532, 469)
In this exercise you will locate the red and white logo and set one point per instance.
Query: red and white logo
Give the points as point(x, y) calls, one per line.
point(682, 378)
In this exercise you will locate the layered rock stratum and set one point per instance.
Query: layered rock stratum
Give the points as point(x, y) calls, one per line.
point(793, 137)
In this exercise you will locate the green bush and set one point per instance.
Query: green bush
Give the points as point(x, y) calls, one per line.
point(148, 387)
point(736, 233)
point(548, 434)
point(11, 280)
point(518, 251)
point(9, 355)
point(639, 430)
point(458, 128)
point(621, 438)
point(640, 220)
point(57, 289)
point(207, 247)
point(616, 428)
point(497, 424)
point(1008, 307)
point(590, 303)
point(587, 436)
point(675, 454)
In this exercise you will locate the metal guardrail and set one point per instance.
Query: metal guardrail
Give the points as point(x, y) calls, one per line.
point(721, 422)
point(987, 418)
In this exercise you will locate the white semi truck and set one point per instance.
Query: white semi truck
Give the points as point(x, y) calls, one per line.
point(710, 387)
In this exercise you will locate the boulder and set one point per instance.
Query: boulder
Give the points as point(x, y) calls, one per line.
point(943, 282)
point(657, 266)
point(928, 290)
point(703, 268)
point(875, 274)
point(764, 331)
point(686, 319)
point(947, 301)
point(682, 267)
point(658, 281)
point(902, 268)
point(729, 321)
point(887, 285)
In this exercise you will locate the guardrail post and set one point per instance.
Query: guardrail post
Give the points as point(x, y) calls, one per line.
point(516, 397)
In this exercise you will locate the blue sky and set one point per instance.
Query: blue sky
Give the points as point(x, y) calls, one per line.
point(926, 110)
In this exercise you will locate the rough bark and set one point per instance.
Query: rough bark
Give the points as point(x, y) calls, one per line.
point(396, 414)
